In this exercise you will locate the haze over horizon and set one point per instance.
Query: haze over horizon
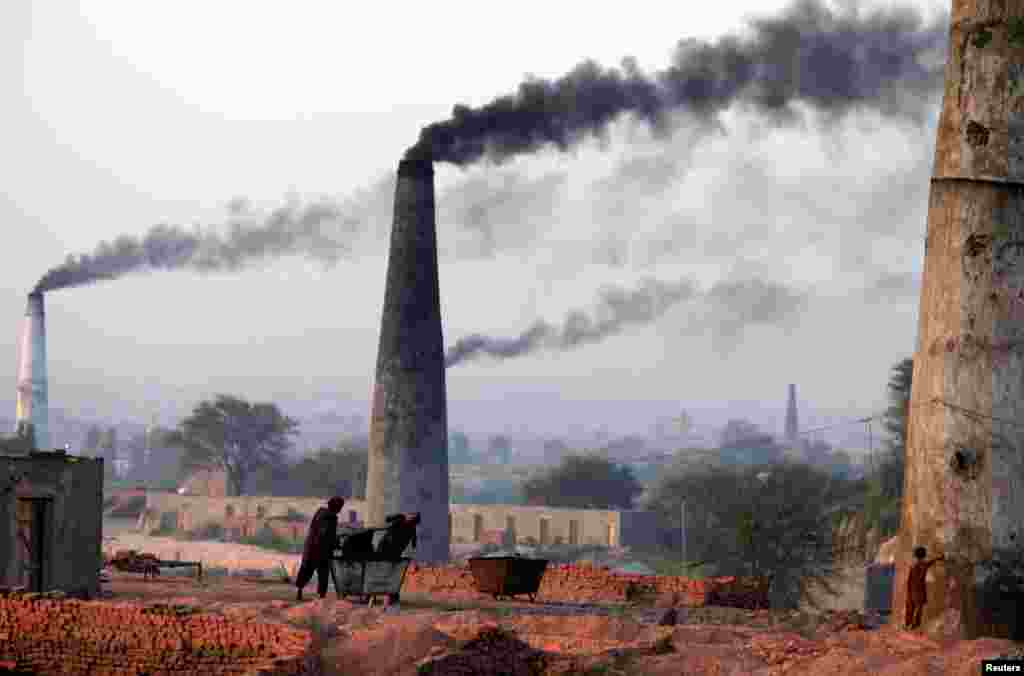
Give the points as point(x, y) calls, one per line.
point(136, 132)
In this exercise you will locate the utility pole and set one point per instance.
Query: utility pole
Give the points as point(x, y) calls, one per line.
point(682, 512)
point(962, 493)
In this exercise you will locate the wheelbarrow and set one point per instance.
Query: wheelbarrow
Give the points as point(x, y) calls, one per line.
point(508, 576)
point(357, 570)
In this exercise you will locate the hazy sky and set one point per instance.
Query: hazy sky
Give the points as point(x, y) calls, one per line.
point(121, 116)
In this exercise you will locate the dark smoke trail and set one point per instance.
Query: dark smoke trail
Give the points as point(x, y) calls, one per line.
point(885, 60)
point(734, 305)
point(293, 229)
point(617, 309)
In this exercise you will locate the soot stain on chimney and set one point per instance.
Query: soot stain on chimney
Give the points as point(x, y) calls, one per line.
point(966, 463)
point(977, 134)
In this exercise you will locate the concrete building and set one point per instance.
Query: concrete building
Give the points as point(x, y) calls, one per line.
point(209, 481)
point(467, 523)
point(51, 525)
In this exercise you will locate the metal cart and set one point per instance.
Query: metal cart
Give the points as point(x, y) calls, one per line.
point(365, 575)
point(508, 576)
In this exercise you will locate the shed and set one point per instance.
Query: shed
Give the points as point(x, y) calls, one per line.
point(51, 522)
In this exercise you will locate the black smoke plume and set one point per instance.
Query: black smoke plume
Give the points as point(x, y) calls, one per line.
point(293, 229)
point(733, 305)
point(884, 59)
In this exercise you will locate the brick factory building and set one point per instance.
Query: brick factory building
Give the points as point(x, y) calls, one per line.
point(51, 522)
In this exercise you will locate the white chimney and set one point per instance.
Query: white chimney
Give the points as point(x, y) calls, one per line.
point(32, 400)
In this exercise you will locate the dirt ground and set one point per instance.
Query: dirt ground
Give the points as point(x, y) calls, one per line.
point(427, 635)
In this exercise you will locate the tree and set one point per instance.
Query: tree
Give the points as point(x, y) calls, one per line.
point(584, 482)
point(772, 521)
point(93, 437)
point(339, 470)
point(108, 451)
point(737, 432)
point(625, 448)
point(743, 442)
point(235, 435)
point(554, 451)
point(165, 460)
point(499, 448)
point(108, 445)
point(459, 450)
point(840, 464)
point(23, 441)
point(890, 467)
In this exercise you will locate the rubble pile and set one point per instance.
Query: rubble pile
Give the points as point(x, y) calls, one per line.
point(48, 635)
point(584, 583)
point(494, 650)
point(782, 648)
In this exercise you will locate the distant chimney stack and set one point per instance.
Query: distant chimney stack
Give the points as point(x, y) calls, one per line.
point(408, 456)
point(792, 423)
point(32, 398)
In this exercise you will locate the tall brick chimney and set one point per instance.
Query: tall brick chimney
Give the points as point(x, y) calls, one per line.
point(964, 483)
point(408, 456)
point(32, 400)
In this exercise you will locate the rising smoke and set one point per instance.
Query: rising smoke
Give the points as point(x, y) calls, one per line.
point(733, 305)
point(319, 231)
point(884, 59)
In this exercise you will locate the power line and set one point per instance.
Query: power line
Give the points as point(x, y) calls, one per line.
point(935, 400)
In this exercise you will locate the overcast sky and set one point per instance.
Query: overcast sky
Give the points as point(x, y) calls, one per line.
point(121, 116)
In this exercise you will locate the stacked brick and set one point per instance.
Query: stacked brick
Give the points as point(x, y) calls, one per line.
point(45, 635)
point(593, 584)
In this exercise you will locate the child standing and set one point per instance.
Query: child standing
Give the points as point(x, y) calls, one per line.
point(917, 591)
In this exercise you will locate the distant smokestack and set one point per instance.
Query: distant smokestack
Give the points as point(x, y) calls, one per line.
point(32, 400)
point(408, 455)
point(792, 424)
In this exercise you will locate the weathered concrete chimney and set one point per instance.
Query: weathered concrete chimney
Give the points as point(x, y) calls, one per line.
point(32, 400)
point(964, 480)
point(408, 456)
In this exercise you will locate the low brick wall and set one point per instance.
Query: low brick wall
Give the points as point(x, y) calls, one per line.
point(41, 635)
point(589, 584)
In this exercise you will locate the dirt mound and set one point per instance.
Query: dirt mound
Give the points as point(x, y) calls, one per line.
point(393, 646)
point(885, 652)
point(492, 651)
point(328, 615)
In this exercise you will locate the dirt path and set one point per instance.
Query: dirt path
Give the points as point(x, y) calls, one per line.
point(210, 553)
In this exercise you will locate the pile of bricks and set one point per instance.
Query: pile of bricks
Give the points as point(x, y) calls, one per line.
point(131, 561)
point(734, 592)
point(45, 635)
point(582, 583)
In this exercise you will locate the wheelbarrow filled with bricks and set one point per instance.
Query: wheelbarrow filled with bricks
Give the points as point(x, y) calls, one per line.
point(368, 561)
point(508, 576)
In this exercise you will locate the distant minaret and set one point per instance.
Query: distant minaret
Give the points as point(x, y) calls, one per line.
point(792, 426)
point(147, 452)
